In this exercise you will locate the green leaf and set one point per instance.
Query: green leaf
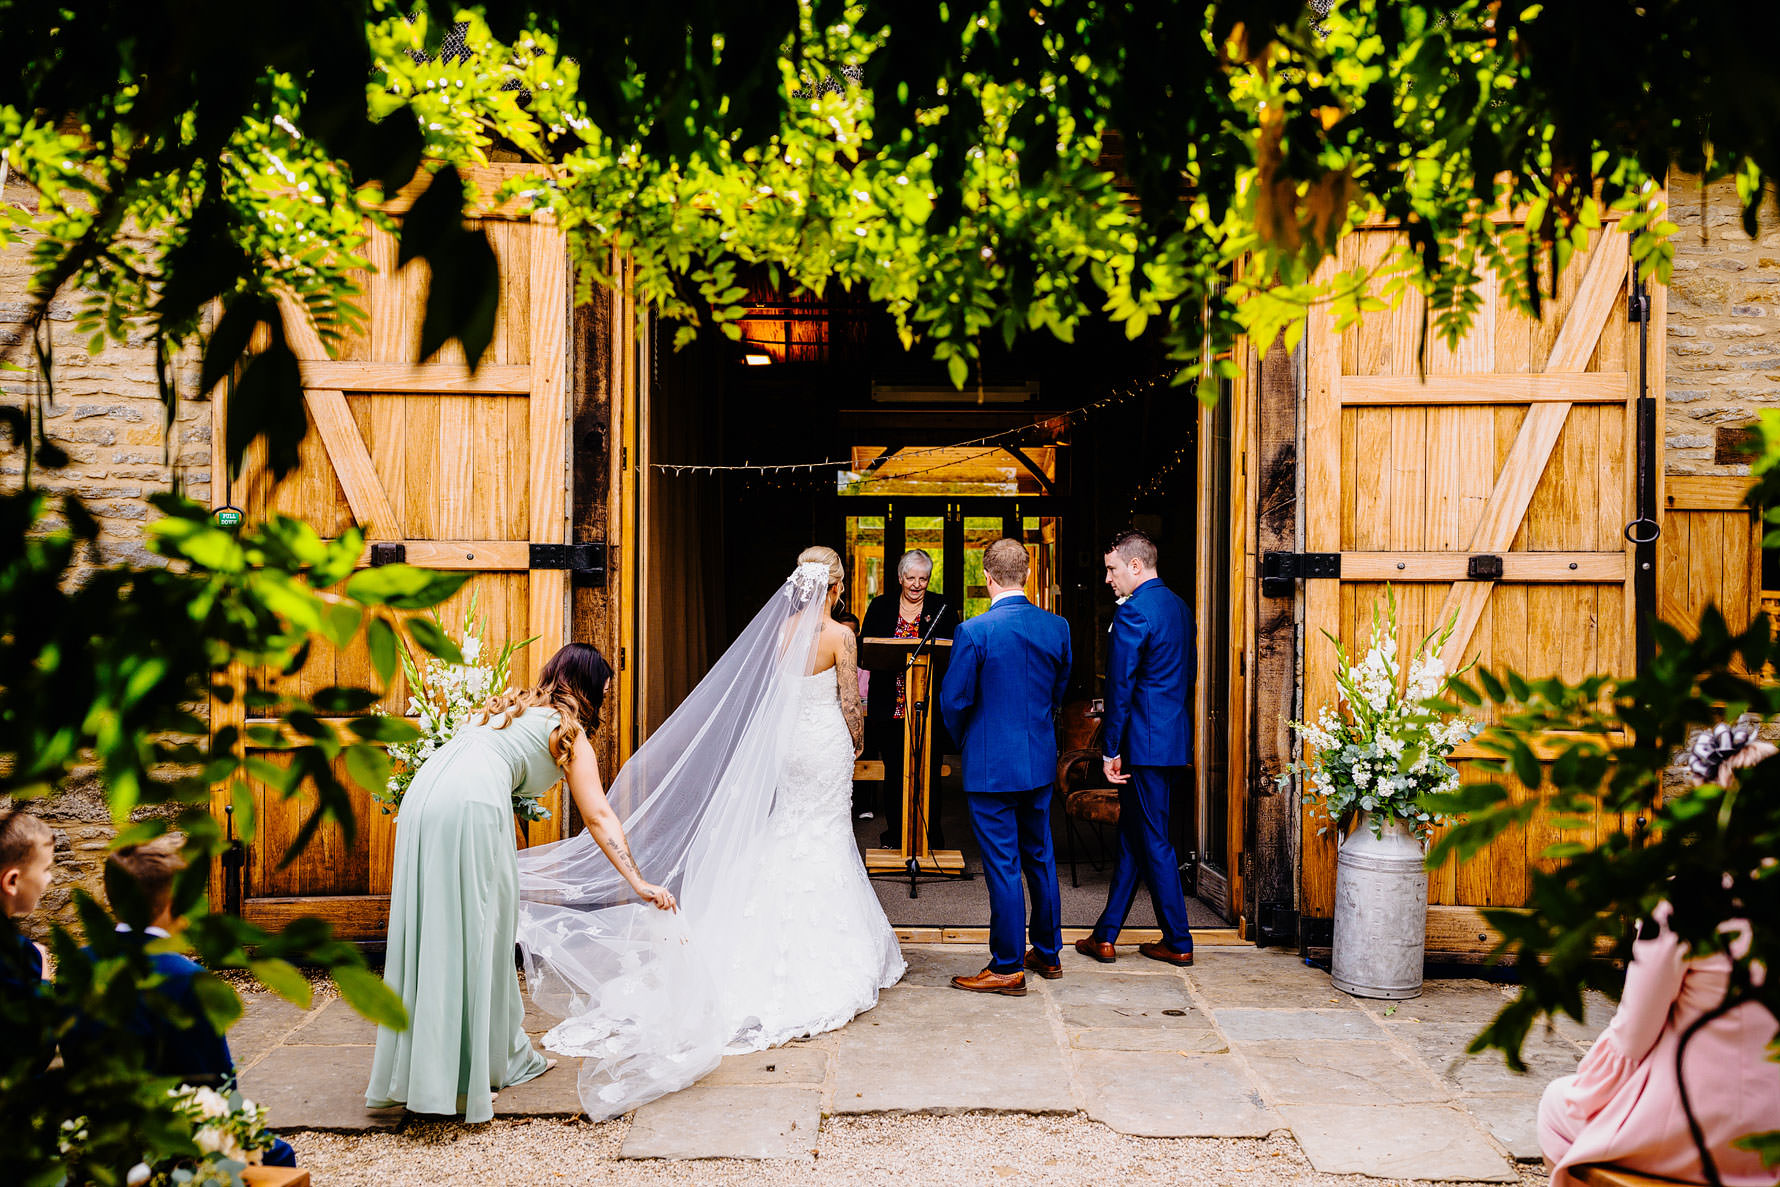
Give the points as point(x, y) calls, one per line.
point(365, 992)
point(389, 730)
point(431, 638)
point(381, 638)
point(282, 978)
point(404, 586)
point(220, 1004)
point(368, 766)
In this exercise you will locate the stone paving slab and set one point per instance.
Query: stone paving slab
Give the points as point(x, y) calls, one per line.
point(316, 1088)
point(726, 1121)
point(1125, 1000)
point(946, 1051)
point(1511, 1118)
point(1316, 1070)
point(1267, 978)
point(932, 966)
point(1441, 1045)
point(553, 1094)
point(1472, 1003)
point(1186, 1040)
point(265, 1020)
point(1168, 1095)
point(334, 1024)
point(1396, 1141)
point(781, 1065)
point(1256, 1026)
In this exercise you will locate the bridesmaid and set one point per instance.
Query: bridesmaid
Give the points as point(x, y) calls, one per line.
point(453, 906)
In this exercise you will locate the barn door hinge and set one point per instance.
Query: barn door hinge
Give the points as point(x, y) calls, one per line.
point(1487, 567)
point(585, 562)
point(1638, 304)
point(1280, 569)
point(389, 554)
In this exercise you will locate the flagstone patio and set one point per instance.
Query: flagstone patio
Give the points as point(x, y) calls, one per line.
point(1245, 1044)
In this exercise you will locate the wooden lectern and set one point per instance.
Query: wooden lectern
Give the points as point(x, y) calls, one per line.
point(885, 658)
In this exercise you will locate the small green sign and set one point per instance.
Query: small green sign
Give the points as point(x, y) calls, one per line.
point(228, 517)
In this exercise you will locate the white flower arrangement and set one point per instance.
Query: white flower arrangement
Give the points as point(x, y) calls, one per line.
point(1383, 747)
point(442, 697)
point(228, 1130)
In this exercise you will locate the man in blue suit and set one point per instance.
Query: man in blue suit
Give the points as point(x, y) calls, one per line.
point(1147, 740)
point(1000, 698)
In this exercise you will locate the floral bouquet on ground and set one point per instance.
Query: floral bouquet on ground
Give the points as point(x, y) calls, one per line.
point(228, 1130)
point(1384, 748)
point(443, 696)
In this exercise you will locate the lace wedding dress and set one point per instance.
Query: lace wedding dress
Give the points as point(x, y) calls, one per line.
point(815, 947)
point(739, 803)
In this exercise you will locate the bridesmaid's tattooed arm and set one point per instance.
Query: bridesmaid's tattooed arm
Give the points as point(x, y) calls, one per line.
point(604, 826)
point(846, 663)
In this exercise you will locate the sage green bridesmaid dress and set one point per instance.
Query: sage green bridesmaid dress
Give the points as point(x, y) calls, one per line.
point(453, 911)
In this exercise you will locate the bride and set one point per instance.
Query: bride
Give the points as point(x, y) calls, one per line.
point(740, 805)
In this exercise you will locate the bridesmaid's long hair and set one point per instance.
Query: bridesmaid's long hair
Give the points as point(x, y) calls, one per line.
point(573, 683)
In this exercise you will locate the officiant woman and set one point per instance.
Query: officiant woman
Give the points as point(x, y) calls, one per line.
point(911, 612)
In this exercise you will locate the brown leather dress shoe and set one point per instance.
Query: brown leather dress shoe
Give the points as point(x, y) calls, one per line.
point(1166, 955)
point(1094, 949)
point(1049, 972)
point(990, 981)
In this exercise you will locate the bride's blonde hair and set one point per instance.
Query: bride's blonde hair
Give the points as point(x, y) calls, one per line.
point(573, 683)
point(821, 554)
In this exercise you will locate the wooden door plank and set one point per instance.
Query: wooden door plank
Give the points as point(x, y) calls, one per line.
point(371, 508)
point(437, 379)
point(1539, 431)
point(547, 484)
point(1322, 599)
point(1516, 566)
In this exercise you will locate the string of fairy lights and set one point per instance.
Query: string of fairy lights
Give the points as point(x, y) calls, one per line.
point(818, 474)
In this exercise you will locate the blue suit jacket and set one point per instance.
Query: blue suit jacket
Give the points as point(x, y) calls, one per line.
point(1001, 692)
point(196, 1054)
point(1150, 669)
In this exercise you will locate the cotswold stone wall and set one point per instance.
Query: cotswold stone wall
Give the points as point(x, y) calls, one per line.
point(1723, 343)
point(106, 413)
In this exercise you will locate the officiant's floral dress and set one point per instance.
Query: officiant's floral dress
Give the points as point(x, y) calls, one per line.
point(453, 911)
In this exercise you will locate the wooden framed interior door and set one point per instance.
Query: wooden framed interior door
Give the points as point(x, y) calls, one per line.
point(1493, 490)
point(456, 470)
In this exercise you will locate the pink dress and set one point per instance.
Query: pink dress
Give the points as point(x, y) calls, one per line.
point(1623, 1105)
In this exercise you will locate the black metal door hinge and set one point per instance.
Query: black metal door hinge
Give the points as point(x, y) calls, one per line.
point(1280, 569)
point(389, 554)
point(585, 562)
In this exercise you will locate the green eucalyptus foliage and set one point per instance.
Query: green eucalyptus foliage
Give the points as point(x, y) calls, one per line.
point(104, 670)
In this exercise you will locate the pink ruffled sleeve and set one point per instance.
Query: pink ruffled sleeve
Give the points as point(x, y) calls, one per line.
point(1652, 983)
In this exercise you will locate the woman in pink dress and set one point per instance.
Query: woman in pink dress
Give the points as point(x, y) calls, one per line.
point(1623, 1105)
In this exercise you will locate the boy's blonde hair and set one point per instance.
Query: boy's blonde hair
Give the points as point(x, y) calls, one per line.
point(20, 835)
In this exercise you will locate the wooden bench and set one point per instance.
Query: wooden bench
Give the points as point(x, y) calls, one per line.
point(275, 1176)
point(1607, 1175)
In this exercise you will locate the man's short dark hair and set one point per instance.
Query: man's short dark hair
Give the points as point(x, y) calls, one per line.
point(1133, 545)
point(151, 866)
point(20, 836)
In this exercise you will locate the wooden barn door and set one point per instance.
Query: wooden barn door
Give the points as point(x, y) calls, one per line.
point(444, 468)
point(1494, 490)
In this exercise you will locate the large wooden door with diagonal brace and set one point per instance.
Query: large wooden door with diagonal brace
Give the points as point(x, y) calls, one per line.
point(456, 469)
point(1494, 490)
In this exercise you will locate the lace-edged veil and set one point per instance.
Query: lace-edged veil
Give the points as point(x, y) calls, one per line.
point(635, 986)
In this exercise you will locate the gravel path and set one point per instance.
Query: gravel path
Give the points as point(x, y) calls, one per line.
point(930, 1150)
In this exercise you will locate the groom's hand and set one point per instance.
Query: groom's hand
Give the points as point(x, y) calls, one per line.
point(1113, 767)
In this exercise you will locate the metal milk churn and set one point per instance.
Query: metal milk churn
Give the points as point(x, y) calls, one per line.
point(1381, 910)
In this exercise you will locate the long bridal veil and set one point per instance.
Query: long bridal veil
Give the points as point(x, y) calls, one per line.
point(636, 987)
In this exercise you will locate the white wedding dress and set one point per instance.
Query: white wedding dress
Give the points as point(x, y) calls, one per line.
point(814, 947)
point(739, 803)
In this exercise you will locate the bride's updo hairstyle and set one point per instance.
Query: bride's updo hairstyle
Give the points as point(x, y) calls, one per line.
point(573, 683)
point(815, 554)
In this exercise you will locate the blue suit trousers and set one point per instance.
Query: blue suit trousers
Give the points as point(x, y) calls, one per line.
point(1013, 831)
point(1146, 853)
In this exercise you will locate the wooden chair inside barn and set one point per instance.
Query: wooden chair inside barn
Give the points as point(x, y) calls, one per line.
point(1090, 802)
